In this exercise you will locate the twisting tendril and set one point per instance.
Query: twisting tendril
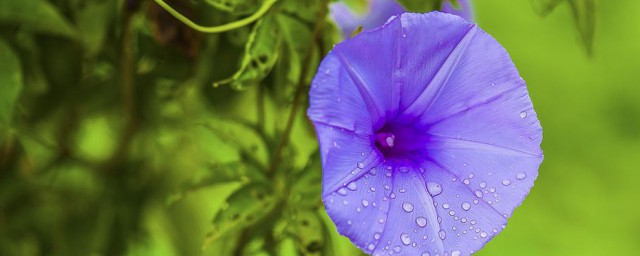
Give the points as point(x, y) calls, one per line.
point(220, 28)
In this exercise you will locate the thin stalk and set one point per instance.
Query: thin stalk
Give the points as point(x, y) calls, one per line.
point(300, 88)
point(220, 28)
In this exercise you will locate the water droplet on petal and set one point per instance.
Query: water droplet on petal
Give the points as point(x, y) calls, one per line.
point(483, 184)
point(397, 249)
point(446, 206)
point(466, 206)
point(506, 183)
point(521, 175)
point(434, 188)
point(342, 192)
point(442, 234)
point(402, 190)
point(360, 165)
point(483, 234)
point(421, 221)
point(523, 114)
point(405, 239)
point(365, 203)
point(380, 220)
point(456, 253)
point(407, 207)
point(352, 186)
point(376, 236)
point(426, 254)
point(371, 247)
point(478, 193)
point(452, 213)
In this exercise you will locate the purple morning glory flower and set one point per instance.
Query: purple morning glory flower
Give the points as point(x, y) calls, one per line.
point(427, 135)
point(379, 11)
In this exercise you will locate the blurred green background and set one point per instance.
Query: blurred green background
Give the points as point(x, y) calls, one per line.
point(113, 140)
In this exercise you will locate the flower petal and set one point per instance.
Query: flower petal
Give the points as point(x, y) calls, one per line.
point(370, 63)
point(346, 156)
point(359, 209)
point(431, 43)
point(334, 100)
point(378, 13)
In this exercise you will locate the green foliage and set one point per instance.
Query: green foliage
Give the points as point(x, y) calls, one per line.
point(113, 140)
point(584, 15)
point(38, 15)
point(11, 81)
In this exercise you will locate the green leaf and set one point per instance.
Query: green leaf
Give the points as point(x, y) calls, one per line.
point(421, 5)
point(244, 208)
point(237, 7)
point(93, 21)
point(307, 228)
point(544, 7)
point(307, 186)
point(297, 37)
point(305, 10)
point(10, 83)
point(584, 13)
point(261, 53)
point(36, 15)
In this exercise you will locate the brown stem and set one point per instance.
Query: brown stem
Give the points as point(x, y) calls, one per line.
point(300, 88)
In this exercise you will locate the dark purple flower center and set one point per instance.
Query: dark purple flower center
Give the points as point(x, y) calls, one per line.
point(400, 142)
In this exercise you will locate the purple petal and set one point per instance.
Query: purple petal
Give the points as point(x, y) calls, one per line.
point(465, 11)
point(439, 102)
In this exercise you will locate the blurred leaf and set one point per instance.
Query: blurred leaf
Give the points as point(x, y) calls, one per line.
point(297, 39)
point(10, 82)
point(261, 53)
point(243, 208)
point(584, 13)
point(93, 21)
point(307, 228)
point(237, 7)
point(358, 6)
point(307, 184)
point(420, 5)
point(544, 7)
point(219, 174)
point(37, 15)
point(305, 10)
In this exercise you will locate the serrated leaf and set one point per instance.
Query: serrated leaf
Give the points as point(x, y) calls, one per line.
point(244, 208)
point(261, 53)
point(584, 13)
point(93, 21)
point(36, 15)
point(237, 7)
point(421, 5)
point(307, 228)
point(10, 83)
point(544, 7)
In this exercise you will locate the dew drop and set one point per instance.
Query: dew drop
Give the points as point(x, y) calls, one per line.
point(371, 247)
point(506, 182)
point(360, 165)
point(372, 189)
point(446, 206)
point(365, 203)
point(373, 172)
point(392, 195)
point(387, 187)
point(456, 253)
point(426, 254)
point(521, 175)
point(442, 234)
point(407, 207)
point(376, 236)
point(523, 114)
point(466, 206)
point(478, 193)
point(402, 190)
point(352, 186)
point(483, 184)
point(452, 213)
point(434, 188)
point(405, 239)
point(421, 221)
point(465, 181)
point(463, 220)
point(470, 176)
point(342, 192)
point(381, 220)
point(483, 234)
point(397, 249)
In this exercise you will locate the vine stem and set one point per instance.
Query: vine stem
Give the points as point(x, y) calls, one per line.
point(220, 28)
point(299, 89)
